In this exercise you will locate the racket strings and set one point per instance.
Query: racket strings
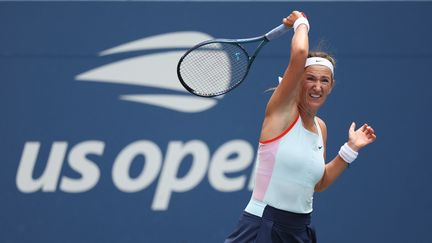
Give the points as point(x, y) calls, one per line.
point(214, 68)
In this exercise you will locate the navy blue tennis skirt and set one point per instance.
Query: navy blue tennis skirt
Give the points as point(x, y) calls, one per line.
point(274, 226)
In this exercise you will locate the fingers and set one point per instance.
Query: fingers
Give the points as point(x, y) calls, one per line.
point(290, 19)
point(362, 136)
point(352, 127)
point(298, 14)
point(287, 22)
point(364, 127)
point(367, 129)
point(369, 132)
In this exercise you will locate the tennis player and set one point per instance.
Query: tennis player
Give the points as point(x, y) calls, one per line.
point(291, 154)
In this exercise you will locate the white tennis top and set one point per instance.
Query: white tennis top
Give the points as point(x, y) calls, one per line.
point(287, 170)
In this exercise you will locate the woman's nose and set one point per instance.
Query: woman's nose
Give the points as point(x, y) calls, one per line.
point(317, 85)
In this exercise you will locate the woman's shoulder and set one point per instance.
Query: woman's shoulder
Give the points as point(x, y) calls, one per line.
point(320, 121)
point(322, 125)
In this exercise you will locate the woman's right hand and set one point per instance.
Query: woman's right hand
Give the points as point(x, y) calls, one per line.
point(290, 19)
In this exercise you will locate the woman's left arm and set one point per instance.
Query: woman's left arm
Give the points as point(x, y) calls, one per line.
point(357, 139)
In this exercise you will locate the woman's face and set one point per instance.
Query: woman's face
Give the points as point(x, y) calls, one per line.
point(317, 84)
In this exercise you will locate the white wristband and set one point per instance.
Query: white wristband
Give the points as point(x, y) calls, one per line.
point(299, 21)
point(347, 154)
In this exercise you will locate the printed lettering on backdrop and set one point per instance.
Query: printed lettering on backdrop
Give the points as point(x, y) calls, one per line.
point(161, 167)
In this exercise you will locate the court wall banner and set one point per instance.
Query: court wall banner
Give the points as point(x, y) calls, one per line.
point(100, 142)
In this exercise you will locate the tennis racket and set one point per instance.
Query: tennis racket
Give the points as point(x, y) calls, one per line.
point(215, 67)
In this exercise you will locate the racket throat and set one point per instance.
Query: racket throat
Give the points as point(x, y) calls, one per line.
point(257, 50)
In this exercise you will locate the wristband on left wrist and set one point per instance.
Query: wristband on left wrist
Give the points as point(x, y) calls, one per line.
point(347, 153)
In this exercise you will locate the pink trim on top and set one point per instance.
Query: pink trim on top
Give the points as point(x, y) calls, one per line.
point(283, 133)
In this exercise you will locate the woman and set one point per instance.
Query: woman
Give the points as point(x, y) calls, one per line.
point(291, 152)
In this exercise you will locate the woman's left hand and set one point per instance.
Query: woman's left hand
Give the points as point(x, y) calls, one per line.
point(361, 137)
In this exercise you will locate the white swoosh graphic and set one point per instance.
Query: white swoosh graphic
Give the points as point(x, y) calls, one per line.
point(154, 70)
point(183, 39)
point(157, 70)
point(174, 102)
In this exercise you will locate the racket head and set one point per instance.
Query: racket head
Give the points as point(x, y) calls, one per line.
point(213, 67)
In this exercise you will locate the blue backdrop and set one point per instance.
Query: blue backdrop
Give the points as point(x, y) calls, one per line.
point(99, 143)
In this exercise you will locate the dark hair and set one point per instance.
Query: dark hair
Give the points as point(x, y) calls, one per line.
point(323, 49)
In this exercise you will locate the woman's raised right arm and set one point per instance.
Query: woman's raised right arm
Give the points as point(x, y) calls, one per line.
point(282, 107)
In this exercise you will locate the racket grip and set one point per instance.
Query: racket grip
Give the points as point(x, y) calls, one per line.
point(277, 32)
